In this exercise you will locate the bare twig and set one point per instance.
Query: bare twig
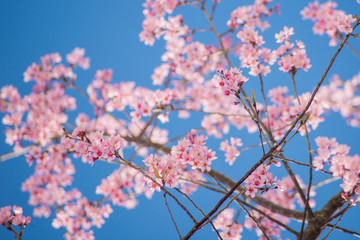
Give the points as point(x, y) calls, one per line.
point(172, 218)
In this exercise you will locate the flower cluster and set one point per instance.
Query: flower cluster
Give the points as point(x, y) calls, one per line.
point(76, 58)
point(229, 228)
point(251, 15)
point(169, 170)
point(118, 96)
point(209, 98)
point(122, 186)
point(341, 164)
point(229, 81)
point(291, 59)
point(188, 61)
point(259, 181)
point(285, 109)
point(231, 152)
point(94, 146)
point(15, 218)
point(163, 169)
point(45, 70)
point(286, 196)
point(44, 109)
point(339, 96)
point(39, 118)
point(79, 216)
point(53, 172)
point(191, 151)
point(328, 20)
point(250, 49)
point(252, 54)
point(343, 97)
point(155, 25)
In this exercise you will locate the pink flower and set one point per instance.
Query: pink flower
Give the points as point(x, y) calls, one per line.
point(229, 81)
point(328, 20)
point(76, 57)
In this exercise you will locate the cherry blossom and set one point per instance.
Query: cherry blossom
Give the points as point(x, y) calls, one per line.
point(128, 127)
point(328, 20)
point(291, 59)
point(76, 57)
point(230, 150)
point(12, 218)
point(229, 81)
point(228, 227)
point(342, 165)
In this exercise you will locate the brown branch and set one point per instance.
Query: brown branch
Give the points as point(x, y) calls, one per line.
point(267, 216)
point(344, 230)
point(193, 203)
point(228, 182)
point(321, 218)
point(317, 223)
point(250, 206)
point(258, 199)
point(171, 216)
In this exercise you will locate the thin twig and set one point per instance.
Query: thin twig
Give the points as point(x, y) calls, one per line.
point(172, 218)
point(333, 227)
point(344, 230)
point(193, 203)
point(300, 163)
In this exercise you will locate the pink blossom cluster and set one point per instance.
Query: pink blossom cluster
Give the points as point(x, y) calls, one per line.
point(291, 59)
point(105, 123)
point(120, 96)
point(228, 227)
point(79, 216)
point(170, 171)
point(342, 165)
point(76, 58)
point(155, 25)
point(209, 98)
point(231, 151)
point(259, 181)
point(51, 67)
point(285, 195)
point(188, 61)
point(285, 109)
point(122, 187)
point(328, 20)
point(94, 146)
point(163, 169)
point(183, 60)
point(40, 116)
point(229, 81)
point(339, 96)
point(161, 7)
point(192, 151)
point(53, 172)
point(43, 72)
point(15, 218)
point(251, 53)
point(251, 15)
point(343, 97)
point(44, 109)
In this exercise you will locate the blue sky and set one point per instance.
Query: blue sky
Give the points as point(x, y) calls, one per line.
point(108, 30)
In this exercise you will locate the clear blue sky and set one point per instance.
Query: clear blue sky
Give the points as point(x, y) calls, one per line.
point(108, 30)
